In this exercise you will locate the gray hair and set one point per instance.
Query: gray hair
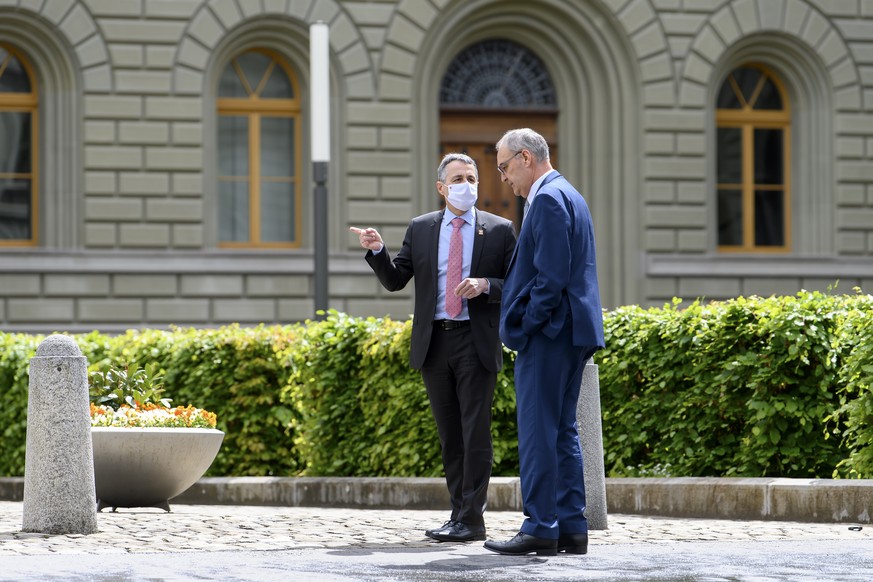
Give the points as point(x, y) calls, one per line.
point(525, 139)
point(455, 157)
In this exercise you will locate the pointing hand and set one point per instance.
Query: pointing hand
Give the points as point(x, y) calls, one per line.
point(369, 238)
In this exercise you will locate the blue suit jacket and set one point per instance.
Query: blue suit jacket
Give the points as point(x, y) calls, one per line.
point(552, 277)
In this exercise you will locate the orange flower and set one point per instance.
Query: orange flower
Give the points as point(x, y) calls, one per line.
point(153, 415)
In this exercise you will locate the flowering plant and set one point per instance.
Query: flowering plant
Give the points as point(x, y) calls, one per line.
point(131, 397)
point(152, 415)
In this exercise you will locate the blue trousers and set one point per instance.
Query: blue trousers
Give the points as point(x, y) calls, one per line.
point(548, 377)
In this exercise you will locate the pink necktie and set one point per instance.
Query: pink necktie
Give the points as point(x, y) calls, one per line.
point(453, 271)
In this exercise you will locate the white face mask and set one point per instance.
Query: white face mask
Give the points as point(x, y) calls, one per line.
point(463, 196)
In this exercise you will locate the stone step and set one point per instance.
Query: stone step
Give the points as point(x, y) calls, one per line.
point(802, 500)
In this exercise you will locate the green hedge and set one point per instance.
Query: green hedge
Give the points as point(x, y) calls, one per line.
point(748, 387)
point(854, 417)
point(15, 353)
point(334, 397)
point(361, 410)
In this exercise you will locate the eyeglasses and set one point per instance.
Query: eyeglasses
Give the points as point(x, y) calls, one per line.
point(502, 167)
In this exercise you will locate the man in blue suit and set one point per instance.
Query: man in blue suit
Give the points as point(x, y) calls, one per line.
point(551, 316)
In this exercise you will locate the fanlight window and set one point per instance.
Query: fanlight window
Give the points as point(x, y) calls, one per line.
point(497, 74)
point(258, 153)
point(753, 162)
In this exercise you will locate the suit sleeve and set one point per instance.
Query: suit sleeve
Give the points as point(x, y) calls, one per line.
point(552, 260)
point(394, 275)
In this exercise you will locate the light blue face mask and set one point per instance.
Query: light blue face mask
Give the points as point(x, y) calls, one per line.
point(463, 196)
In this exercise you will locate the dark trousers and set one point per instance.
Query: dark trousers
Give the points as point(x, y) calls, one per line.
point(548, 378)
point(461, 391)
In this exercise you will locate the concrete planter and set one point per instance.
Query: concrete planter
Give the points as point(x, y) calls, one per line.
point(146, 467)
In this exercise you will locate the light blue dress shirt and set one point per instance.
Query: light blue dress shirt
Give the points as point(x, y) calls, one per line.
point(468, 230)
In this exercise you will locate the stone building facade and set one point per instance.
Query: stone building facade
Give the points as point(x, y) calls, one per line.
point(725, 147)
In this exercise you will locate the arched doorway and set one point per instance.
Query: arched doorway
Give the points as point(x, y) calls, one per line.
point(596, 108)
point(490, 87)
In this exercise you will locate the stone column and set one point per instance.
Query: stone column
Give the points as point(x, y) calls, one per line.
point(591, 435)
point(59, 493)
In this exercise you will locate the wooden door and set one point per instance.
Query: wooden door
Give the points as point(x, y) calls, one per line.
point(475, 132)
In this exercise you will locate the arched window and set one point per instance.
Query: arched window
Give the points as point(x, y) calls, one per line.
point(489, 87)
point(258, 152)
point(18, 150)
point(754, 133)
point(498, 73)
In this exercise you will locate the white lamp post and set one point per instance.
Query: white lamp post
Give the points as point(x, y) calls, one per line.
point(319, 102)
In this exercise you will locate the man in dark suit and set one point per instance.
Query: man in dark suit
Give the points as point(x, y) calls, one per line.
point(458, 257)
point(551, 316)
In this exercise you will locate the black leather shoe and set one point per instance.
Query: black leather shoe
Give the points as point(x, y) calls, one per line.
point(573, 543)
point(460, 532)
point(523, 544)
point(443, 528)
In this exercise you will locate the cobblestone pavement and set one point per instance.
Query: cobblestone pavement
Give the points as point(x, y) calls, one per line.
point(220, 531)
point(210, 528)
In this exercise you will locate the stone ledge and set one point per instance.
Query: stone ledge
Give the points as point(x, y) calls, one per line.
point(504, 493)
point(803, 500)
point(806, 500)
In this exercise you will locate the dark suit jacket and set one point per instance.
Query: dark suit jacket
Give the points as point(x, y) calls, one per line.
point(552, 278)
point(493, 244)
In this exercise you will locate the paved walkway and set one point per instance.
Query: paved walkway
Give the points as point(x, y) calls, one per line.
point(304, 543)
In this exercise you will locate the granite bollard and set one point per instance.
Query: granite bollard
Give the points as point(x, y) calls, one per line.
point(590, 429)
point(59, 491)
